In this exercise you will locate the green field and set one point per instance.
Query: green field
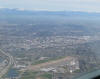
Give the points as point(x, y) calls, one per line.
point(35, 75)
point(46, 60)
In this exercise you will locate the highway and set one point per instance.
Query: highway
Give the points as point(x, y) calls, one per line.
point(11, 61)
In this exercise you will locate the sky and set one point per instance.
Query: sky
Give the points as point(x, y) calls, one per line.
point(53, 5)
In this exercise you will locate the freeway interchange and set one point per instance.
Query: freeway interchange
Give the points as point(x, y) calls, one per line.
point(6, 68)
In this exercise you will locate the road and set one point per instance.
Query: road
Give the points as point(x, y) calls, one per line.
point(5, 70)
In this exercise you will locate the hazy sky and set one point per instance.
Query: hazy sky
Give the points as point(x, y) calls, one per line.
point(68, 5)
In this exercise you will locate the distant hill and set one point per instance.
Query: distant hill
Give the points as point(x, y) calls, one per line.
point(48, 23)
point(5, 11)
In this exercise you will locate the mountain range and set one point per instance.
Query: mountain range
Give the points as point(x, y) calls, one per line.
point(5, 11)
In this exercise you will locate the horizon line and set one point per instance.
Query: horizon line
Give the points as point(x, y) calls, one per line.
point(23, 9)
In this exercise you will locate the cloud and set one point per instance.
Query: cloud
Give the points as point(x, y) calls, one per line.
point(1, 7)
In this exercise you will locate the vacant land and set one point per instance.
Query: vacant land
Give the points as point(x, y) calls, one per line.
point(53, 63)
